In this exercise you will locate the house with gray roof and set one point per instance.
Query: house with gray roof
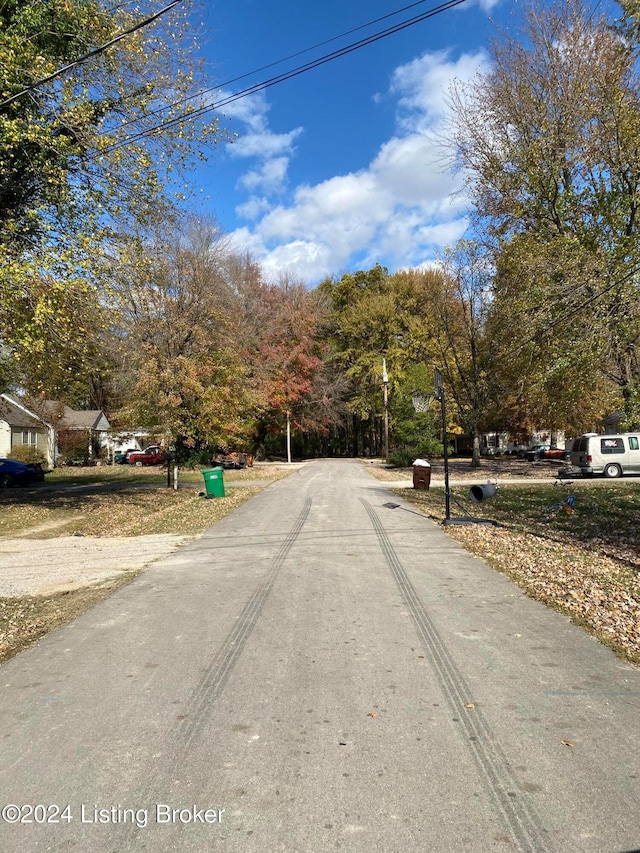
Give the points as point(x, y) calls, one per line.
point(19, 426)
point(39, 422)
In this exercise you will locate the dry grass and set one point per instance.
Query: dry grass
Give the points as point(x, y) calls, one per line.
point(25, 620)
point(126, 511)
point(495, 468)
point(157, 475)
point(129, 511)
point(585, 562)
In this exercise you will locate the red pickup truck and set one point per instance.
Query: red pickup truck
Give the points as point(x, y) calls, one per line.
point(153, 455)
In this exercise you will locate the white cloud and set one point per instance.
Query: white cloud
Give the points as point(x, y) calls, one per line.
point(270, 177)
point(302, 258)
point(399, 210)
point(253, 208)
point(264, 144)
point(251, 110)
point(422, 86)
point(272, 150)
point(415, 170)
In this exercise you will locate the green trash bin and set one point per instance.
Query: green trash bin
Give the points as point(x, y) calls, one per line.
point(213, 482)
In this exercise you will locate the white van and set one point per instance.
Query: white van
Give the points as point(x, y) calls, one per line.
point(611, 455)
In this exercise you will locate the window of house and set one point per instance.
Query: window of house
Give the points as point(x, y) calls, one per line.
point(29, 437)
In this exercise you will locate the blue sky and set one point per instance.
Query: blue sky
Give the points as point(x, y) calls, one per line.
point(343, 166)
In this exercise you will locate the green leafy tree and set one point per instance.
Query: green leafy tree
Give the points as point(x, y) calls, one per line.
point(416, 434)
point(84, 159)
point(375, 315)
point(549, 137)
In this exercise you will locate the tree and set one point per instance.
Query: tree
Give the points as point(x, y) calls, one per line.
point(544, 361)
point(80, 161)
point(60, 343)
point(550, 139)
point(375, 315)
point(415, 433)
point(460, 298)
point(284, 352)
point(182, 373)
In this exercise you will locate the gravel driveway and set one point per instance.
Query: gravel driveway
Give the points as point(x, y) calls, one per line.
point(44, 566)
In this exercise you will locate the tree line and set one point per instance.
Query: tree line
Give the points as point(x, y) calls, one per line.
point(114, 295)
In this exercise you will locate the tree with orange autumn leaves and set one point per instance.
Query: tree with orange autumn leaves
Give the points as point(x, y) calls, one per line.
point(209, 353)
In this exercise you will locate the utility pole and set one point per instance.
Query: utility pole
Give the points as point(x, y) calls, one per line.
point(385, 385)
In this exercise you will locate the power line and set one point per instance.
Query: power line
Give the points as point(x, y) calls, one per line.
point(91, 54)
point(301, 69)
point(535, 333)
point(220, 86)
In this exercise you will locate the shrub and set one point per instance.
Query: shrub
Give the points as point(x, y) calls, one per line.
point(29, 455)
point(73, 445)
point(403, 457)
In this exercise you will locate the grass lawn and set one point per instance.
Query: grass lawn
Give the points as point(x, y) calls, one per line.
point(128, 511)
point(583, 561)
point(156, 474)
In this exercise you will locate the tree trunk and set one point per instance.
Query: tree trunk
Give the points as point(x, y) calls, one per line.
point(356, 430)
point(259, 452)
point(475, 455)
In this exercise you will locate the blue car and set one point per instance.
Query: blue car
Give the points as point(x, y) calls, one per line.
point(14, 473)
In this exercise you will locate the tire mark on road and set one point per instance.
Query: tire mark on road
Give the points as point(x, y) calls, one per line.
point(517, 815)
point(217, 674)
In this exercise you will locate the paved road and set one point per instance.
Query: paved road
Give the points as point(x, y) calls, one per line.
point(320, 672)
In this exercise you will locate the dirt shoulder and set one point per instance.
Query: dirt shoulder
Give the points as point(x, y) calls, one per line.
point(493, 468)
point(574, 547)
point(64, 549)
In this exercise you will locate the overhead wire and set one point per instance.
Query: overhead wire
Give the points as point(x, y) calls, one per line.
point(288, 75)
point(230, 82)
point(95, 52)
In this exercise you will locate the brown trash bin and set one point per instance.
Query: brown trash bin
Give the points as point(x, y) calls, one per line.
point(421, 477)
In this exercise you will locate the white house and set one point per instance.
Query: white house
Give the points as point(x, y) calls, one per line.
point(37, 423)
point(494, 443)
point(20, 426)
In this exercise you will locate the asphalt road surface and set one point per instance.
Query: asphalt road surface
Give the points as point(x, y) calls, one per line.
point(320, 672)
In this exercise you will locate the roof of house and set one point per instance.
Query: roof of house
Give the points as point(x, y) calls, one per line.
point(63, 417)
point(16, 416)
point(39, 413)
point(614, 417)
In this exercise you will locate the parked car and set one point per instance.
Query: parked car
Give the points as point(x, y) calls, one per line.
point(234, 460)
point(611, 455)
point(153, 455)
point(13, 473)
point(546, 451)
point(122, 458)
